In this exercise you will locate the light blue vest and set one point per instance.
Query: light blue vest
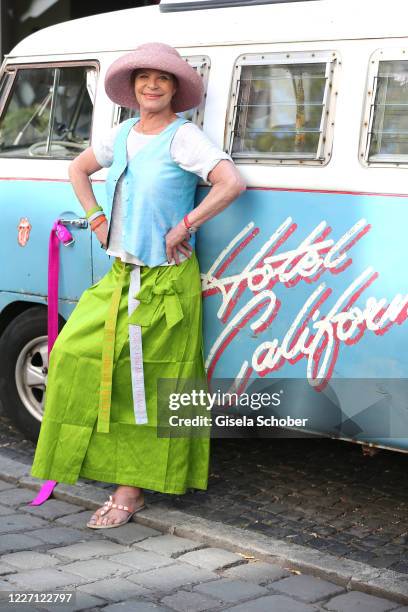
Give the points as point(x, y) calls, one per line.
point(156, 193)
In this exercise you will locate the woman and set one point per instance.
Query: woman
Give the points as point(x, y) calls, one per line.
point(142, 321)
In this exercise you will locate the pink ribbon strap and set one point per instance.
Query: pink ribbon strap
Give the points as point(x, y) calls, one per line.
point(53, 278)
point(44, 493)
point(59, 233)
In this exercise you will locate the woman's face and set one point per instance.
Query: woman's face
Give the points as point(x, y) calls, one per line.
point(154, 89)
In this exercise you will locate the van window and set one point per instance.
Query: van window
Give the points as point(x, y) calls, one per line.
point(196, 115)
point(281, 108)
point(386, 139)
point(48, 112)
point(4, 84)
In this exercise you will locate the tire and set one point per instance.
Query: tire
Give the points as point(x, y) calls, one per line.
point(24, 368)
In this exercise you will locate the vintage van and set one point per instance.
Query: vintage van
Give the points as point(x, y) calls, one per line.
point(303, 276)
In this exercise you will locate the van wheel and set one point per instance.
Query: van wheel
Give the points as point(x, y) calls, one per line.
point(24, 369)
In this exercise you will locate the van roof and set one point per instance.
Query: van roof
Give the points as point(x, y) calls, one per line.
point(294, 21)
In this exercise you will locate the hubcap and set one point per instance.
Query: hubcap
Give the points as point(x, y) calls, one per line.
point(31, 375)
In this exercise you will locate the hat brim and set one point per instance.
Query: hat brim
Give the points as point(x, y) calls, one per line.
point(119, 82)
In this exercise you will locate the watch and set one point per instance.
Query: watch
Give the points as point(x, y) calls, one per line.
point(190, 228)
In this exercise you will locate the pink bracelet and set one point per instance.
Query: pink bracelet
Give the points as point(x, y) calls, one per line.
point(186, 222)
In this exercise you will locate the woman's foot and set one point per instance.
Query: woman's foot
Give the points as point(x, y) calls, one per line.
point(131, 497)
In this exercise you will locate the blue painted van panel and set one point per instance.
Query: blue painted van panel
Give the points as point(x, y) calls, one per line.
point(336, 303)
point(42, 202)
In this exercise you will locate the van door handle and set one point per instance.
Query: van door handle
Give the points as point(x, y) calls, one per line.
point(80, 223)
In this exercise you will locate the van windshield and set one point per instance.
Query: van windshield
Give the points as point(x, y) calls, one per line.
point(48, 113)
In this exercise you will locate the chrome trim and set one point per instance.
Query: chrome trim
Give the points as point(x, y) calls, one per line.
point(79, 223)
point(11, 76)
point(52, 111)
point(196, 5)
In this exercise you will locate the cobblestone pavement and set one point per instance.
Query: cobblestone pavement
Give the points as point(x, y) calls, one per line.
point(135, 568)
point(318, 493)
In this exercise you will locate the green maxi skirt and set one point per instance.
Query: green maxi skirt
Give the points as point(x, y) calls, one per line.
point(70, 445)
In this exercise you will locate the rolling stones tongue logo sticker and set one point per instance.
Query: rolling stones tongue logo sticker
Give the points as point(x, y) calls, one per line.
point(24, 229)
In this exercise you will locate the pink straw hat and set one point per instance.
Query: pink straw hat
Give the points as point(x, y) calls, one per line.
point(119, 79)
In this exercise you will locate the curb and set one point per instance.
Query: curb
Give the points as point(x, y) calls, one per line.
point(346, 573)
